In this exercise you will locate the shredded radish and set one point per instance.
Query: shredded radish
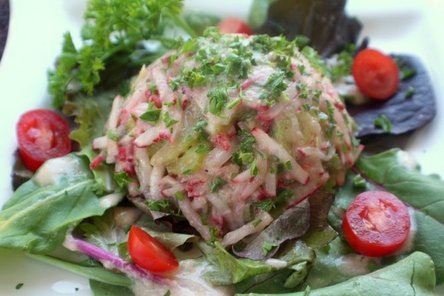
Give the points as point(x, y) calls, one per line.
point(169, 186)
point(151, 136)
point(143, 168)
point(115, 113)
point(262, 220)
point(112, 150)
point(245, 176)
point(271, 147)
point(100, 142)
point(273, 112)
point(217, 158)
point(270, 184)
point(194, 218)
point(156, 174)
point(254, 184)
point(197, 140)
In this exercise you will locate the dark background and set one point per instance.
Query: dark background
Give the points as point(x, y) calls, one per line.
point(4, 22)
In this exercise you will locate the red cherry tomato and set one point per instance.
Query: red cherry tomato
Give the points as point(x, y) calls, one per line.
point(149, 253)
point(376, 74)
point(376, 223)
point(234, 25)
point(42, 134)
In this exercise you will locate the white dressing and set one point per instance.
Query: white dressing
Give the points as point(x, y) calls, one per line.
point(55, 169)
point(188, 280)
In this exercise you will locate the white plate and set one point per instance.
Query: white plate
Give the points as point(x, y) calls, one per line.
point(34, 41)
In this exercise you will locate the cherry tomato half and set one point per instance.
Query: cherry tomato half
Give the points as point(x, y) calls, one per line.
point(42, 134)
point(376, 74)
point(149, 253)
point(234, 25)
point(376, 223)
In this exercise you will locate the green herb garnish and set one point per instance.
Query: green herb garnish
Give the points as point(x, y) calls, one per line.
point(383, 122)
point(169, 122)
point(217, 183)
point(218, 98)
point(122, 179)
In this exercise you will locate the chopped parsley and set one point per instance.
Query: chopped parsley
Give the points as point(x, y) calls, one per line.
point(193, 78)
point(152, 87)
point(267, 247)
point(151, 115)
point(301, 69)
point(180, 195)
point(174, 83)
point(284, 63)
point(158, 205)
point(169, 122)
point(383, 122)
point(265, 205)
point(274, 87)
point(406, 70)
point(217, 183)
point(218, 98)
point(233, 103)
point(113, 135)
point(288, 165)
point(410, 92)
point(283, 197)
point(187, 172)
point(202, 148)
point(199, 127)
point(122, 179)
point(245, 153)
point(256, 222)
point(237, 66)
point(344, 63)
point(315, 60)
point(254, 171)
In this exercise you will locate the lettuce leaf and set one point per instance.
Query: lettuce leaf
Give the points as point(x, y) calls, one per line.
point(96, 273)
point(42, 210)
point(391, 171)
point(413, 275)
point(104, 289)
point(231, 270)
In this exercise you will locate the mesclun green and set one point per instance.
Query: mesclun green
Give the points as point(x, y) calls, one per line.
point(410, 276)
point(62, 204)
point(424, 194)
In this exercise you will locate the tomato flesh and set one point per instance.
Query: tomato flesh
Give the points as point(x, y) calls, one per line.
point(234, 25)
point(42, 134)
point(149, 253)
point(376, 74)
point(376, 223)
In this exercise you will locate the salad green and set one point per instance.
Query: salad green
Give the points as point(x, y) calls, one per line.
point(67, 205)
